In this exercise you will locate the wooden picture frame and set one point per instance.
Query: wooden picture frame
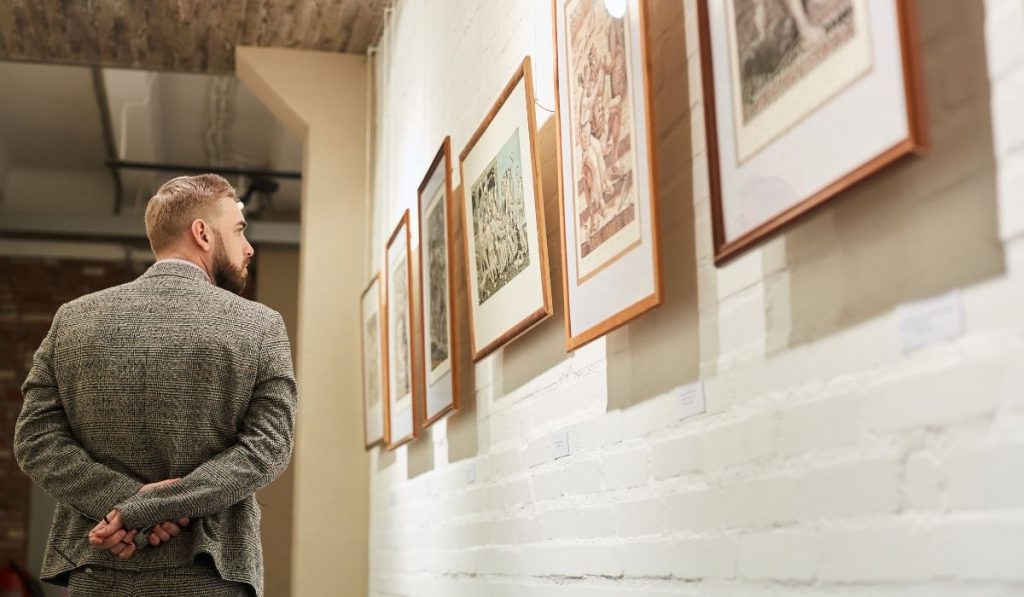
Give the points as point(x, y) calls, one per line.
point(401, 385)
point(372, 353)
point(439, 341)
point(852, 74)
point(608, 197)
point(512, 276)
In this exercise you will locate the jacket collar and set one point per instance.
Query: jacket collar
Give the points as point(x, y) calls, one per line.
point(177, 268)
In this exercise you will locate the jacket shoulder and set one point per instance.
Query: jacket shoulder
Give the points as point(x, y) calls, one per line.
point(243, 306)
point(88, 302)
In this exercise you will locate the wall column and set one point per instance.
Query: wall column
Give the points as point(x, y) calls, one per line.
point(322, 98)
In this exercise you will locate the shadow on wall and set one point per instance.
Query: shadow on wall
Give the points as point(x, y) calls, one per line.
point(524, 359)
point(922, 227)
point(461, 426)
point(661, 350)
point(543, 347)
point(655, 353)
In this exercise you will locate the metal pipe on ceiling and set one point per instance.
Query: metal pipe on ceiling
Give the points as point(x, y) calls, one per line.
point(222, 170)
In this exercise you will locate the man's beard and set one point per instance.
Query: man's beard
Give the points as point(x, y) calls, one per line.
point(226, 275)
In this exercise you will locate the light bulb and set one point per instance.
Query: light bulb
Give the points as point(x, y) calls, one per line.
point(616, 8)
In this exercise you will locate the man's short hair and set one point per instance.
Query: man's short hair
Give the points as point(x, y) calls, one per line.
point(179, 202)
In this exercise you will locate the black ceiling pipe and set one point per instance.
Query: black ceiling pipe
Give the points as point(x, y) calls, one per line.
point(125, 165)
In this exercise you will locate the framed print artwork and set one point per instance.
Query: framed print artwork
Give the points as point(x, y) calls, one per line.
point(437, 288)
point(608, 196)
point(400, 386)
point(802, 99)
point(506, 247)
point(373, 377)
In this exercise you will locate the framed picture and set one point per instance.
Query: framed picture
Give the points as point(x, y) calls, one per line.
point(506, 247)
point(373, 376)
point(400, 381)
point(608, 196)
point(437, 288)
point(802, 99)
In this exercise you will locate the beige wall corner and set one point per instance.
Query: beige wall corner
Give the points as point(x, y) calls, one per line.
point(277, 286)
point(322, 97)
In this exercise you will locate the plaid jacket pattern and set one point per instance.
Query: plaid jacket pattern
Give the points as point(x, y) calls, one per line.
point(166, 376)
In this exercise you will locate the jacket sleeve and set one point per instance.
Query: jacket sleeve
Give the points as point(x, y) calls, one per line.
point(47, 450)
point(261, 453)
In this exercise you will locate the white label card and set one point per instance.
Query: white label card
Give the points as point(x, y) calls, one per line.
point(931, 320)
point(559, 445)
point(691, 400)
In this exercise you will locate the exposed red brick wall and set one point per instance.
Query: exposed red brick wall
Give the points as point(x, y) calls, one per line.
point(31, 290)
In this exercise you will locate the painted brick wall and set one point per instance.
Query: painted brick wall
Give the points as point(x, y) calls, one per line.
point(830, 460)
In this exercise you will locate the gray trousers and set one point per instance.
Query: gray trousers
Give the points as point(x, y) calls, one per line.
point(200, 579)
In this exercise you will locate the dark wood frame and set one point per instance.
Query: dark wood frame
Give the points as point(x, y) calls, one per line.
point(524, 73)
point(653, 300)
point(382, 356)
point(393, 443)
point(916, 143)
point(443, 156)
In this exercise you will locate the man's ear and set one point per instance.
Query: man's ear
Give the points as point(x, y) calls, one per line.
point(202, 234)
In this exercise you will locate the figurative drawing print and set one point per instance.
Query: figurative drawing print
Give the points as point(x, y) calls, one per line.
point(398, 325)
point(372, 365)
point(437, 274)
point(499, 221)
point(601, 123)
point(780, 44)
point(371, 360)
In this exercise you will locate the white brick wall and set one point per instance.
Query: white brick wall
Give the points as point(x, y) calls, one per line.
point(829, 462)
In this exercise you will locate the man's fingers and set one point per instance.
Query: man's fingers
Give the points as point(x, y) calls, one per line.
point(117, 549)
point(158, 484)
point(154, 540)
point(160, 532)
point(184, 522)
point(113, 540)
point(109, 526)
point(129, 549)
point(171, 529)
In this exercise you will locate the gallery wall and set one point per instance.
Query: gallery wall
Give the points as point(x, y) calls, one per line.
point(861, 372)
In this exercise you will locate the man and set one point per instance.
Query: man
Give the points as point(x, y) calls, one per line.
point(154, 410)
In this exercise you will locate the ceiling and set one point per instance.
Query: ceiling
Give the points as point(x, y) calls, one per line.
point(55, 143)
point(196, 36)
point(84, 83)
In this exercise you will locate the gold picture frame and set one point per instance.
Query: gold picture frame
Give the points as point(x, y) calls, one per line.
point(852, 73)
point(401, 384)
point(608, 192)
point(439, 342)
point(371, 344)
point(510, 270)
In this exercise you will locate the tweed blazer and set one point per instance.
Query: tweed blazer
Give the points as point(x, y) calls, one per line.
point(166, 376)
